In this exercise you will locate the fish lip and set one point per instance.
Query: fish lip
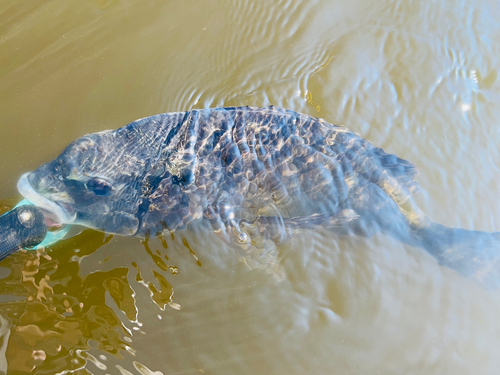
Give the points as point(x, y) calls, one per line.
point(63, 212)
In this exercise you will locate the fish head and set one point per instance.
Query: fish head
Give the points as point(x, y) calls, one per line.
point(94, 182)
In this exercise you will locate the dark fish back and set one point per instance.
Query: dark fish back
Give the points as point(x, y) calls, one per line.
point(262, 162)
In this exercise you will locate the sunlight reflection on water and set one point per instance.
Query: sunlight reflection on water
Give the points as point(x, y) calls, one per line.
point(419, 79)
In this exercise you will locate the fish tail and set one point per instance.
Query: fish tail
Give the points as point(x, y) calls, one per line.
point(474, 254)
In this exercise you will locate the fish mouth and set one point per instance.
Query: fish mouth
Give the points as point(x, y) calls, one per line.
point(59, 212)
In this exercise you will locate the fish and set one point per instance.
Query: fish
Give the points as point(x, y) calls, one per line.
point(256, 175)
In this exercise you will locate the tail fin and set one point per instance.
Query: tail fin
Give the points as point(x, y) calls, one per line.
point(472, 253)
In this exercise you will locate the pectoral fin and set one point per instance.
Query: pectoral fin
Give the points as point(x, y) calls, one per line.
point(257, 241)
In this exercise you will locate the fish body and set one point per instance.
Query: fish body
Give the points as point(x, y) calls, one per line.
point(252, 172)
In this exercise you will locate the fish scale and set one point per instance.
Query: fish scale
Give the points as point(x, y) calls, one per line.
point(251, 155)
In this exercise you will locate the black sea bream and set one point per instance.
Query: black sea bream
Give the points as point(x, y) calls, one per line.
point(255, 174)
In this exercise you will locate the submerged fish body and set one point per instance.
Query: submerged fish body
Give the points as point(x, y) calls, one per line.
point(239, 164)
point(254, 173)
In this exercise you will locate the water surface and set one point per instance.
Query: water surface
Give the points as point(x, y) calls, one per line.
point(419, 79)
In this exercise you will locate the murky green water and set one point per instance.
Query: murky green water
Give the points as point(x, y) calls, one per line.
point(419, 79)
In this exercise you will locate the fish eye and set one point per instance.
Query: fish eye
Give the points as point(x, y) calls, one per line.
point(99, 186)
